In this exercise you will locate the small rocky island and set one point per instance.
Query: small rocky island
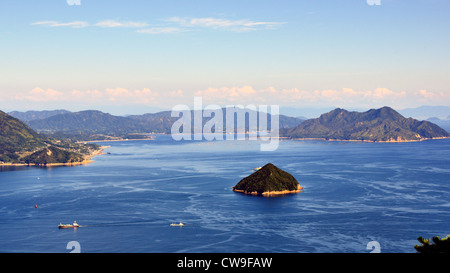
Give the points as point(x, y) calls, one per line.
point(268, 181)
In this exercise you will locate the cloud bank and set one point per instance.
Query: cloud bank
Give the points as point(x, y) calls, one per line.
point(224, 24)
point(345, 97)
point(172, 25)
point(74, 24)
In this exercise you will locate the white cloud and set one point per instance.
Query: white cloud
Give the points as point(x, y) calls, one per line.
point(245, 95)
point(113, 24)
point(425, 96)
point(228, 94)
point(161, 30)
point(177, 94)
point(345, 97)
point(224, 24)
point(183, 24)
point(82, 24)
point(74, 24)
point(39, 95)
point(116, 95)
point(111, 96)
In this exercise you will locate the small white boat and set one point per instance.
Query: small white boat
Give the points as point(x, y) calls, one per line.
point(177, 225)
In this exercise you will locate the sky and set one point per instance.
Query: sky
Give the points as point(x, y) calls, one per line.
point(134, 57)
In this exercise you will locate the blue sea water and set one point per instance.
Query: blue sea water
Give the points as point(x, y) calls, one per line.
point(354, 193)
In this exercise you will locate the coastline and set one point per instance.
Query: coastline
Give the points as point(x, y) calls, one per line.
point(87, 160)
point(114, 140)
point(373, 141)
point(270, 193)
point(84, 162)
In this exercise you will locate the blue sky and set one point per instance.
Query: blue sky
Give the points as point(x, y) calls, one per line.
point(134, 56)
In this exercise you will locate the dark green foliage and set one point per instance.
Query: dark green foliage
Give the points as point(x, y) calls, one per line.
point(51, 155)
point(383, 124)
point(16, 137)
point(268, 178)
point(20, 144)
point(435, 245)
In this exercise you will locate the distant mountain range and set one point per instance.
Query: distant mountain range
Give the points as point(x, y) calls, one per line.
point(443, 123)
point(426, 112)
point(87, 123)
point(33, 115)
point(96, 125)
point(384, 124)
point(420, 113)
point(21, 144)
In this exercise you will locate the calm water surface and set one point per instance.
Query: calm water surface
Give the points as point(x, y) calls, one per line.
point(354, 193)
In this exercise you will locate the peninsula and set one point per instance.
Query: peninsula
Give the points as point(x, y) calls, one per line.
point(268, 181)
point(21, 145)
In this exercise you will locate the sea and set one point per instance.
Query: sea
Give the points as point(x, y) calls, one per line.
point(357, 197)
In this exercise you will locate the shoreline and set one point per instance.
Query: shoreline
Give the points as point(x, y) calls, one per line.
point(270, 193)
point(113, 140)
point(370, 141)
point(87, 160)
point(303, 138)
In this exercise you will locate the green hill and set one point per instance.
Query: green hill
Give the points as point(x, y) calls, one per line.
point(17, 138)
point(53, 155)
point(384, 124)
point(20, 144)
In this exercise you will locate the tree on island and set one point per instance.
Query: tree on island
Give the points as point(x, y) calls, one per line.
point(436, 246)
